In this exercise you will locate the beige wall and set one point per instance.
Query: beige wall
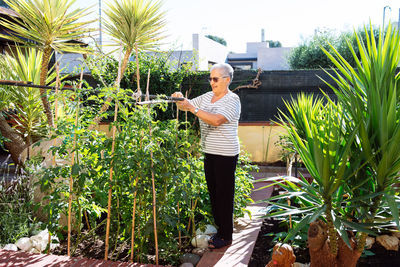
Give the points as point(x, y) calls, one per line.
point(259, 141)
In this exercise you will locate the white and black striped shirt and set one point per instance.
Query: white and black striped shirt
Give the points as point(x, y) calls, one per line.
point(220, 140)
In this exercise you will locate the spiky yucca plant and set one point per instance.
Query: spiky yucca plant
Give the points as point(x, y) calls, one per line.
point(133, 25)
point(46, 25)
point(319, 135)
point(370, 95)
point(24, 65)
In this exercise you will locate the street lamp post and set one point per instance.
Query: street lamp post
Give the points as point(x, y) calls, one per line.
point(100, 22)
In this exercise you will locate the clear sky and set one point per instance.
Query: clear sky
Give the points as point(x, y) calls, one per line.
point(241, 21)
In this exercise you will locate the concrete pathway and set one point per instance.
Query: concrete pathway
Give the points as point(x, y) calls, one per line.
point(246, 229)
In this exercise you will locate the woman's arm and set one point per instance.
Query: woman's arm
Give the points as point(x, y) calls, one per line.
point(207, 117)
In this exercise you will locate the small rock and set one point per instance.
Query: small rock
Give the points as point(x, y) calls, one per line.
point(11, 247)
point(200, 241)
point(200, 251)
point(44, 234)
point(208, 230)
point(298, 264)
point(388, 242)
point(186, 264)
point(34, 250)
point(38, 242)
point(191, 258)
point(369, 242)
point(24, 244)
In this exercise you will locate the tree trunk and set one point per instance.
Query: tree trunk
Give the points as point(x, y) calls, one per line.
point(43, 94)
point(16, 144)
point(320, 252)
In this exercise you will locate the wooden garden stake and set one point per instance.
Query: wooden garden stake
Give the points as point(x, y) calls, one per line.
point(290, 216)
point(86, 219)
point(114, 129)
point(71, 182)
point(139, 92)
point(55, 127)
point(152, 175)
point(110, 189)
point(179, 229)
point(179, 218)
point(133, 220)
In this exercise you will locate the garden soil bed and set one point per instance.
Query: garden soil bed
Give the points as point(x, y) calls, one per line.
point(262, 250)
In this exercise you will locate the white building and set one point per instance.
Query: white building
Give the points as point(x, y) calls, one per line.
point(260, 55)
point(204, 53)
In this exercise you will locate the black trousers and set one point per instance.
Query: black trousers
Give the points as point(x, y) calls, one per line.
point(220, 175)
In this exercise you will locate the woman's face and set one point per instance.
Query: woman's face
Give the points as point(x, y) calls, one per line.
point(219, 83)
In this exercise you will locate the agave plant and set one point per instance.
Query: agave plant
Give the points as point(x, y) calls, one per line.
point(133, 25)
point(47, 25)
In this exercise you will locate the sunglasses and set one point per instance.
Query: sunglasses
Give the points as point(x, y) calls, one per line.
point(215, 79)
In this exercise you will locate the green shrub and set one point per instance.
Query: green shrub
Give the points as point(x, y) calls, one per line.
point(178, 172)
point(309, 55)
point(16, 218)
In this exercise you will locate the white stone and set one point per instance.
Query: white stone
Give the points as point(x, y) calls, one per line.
point(11, 247)
point(39, 243)
point(34, 250)
point(24, 244)
point(200, 251)
point(200, 241)
point(369, 242)
point(44, 234)
point(388, 242)
point(186, 264)
point(209, 230)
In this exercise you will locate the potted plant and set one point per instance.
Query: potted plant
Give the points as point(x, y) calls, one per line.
point(350, 148)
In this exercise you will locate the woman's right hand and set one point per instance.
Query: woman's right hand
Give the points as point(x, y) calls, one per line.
point(177, 94)
point(184, 104)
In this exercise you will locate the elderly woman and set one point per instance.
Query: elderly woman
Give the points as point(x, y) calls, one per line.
point(219, 112)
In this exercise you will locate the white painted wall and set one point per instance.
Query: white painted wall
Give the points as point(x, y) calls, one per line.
point(273, 58)
point(253, 47)
point(207, 50)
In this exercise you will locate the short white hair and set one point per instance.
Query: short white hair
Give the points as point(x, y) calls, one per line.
point(227, 70)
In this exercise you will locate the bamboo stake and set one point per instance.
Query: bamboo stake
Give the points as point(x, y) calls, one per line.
point(55, 127)
point(138, 234)
point(152, 177)
point(133, 220)
point(179, 218)
point(179, 229)
point(290, 216)
point(87, 220)
point(110, 189)
point(114, 129)
point(139, 92)
point(192, 210)
point(71, 182)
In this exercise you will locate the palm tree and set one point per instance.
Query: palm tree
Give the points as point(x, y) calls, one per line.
point(47, 25)
point(134, 25)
